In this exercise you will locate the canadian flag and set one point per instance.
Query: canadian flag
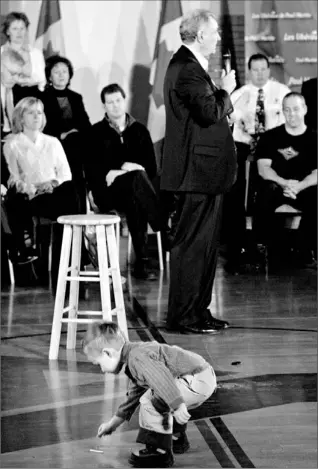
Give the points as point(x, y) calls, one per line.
point(49, 36)
point(168, 42)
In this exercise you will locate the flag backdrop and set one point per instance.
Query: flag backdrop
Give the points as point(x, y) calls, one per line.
point(286, 32)
point(168, 41)
point(49, 35)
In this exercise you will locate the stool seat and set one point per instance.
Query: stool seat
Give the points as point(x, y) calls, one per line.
point(285, 208)
point(89, 219)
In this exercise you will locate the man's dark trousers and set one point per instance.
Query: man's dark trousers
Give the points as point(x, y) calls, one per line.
point(133, 194)
point(194, 251)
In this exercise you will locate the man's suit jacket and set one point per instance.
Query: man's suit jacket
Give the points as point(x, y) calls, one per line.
point(199, 153)
point(53, 113)
point(309, 91)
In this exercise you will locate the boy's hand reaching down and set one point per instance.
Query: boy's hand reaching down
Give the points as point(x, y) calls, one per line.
point(105, 429)
point(181, 414)
point(109, 427)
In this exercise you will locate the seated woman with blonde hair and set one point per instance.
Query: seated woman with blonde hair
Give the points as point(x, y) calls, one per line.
point(39, 181)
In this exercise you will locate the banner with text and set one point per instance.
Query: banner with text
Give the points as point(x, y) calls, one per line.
point(286, 32)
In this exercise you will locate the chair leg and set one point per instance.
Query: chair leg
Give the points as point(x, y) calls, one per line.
point(129, 248)
point(159, 250)
point(11, 270)
point(60, 293)
point(74, 286)
point(103, 272)
point(247, 175)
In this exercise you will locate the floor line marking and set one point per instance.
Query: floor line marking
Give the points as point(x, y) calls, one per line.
point(213, 444)
point(231, 442)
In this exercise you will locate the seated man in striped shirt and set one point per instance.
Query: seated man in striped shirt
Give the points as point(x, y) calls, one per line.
point(165, 380)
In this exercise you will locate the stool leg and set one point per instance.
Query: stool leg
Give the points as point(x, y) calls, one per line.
point(159, 250)
point(74, 287)
point(118, 237)
point(50, 248)
point(103, 272)
point(117, 285)
point(60, 293)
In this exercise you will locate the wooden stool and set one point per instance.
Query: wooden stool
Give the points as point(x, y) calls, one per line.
point(72, 235)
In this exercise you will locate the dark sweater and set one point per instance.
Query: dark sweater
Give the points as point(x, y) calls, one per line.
point(56, 124)
point(111, 149)
point(155, 366)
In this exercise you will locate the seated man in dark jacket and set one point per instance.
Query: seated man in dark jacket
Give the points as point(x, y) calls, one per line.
point(119, 172)
point(287, 163)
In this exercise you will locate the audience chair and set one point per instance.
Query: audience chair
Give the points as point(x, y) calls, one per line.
point(39, 222)
point(292, 216)
point(108, 263)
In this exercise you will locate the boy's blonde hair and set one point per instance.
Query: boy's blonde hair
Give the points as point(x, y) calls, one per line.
point(9, 55)
point(103, 334)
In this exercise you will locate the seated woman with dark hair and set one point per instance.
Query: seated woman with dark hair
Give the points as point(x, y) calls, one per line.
point(39, 181)
point(67, 119)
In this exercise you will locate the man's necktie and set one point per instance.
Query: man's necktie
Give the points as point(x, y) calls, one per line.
point(260, 113)
point(259, 120)
point(9, 104)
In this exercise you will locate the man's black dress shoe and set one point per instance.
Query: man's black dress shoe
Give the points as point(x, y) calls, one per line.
point(216, 323)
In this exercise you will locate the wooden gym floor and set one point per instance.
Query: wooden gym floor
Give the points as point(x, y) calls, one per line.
point(263, 414)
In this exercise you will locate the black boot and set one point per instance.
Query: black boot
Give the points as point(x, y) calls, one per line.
point(151, 457)
point(181, 444)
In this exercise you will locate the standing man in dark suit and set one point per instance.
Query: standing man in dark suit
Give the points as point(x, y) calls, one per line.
point(199, 165)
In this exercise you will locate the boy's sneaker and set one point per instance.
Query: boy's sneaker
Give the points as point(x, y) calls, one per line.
point(151, 457)
point(181, 444)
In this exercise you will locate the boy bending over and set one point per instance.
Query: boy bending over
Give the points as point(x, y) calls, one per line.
point(166, 381)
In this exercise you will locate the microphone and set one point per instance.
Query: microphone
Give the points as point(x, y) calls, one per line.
point(227, 61)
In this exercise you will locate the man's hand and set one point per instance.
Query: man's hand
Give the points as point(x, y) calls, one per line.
point(132, 167)
point(20, 187)
point(112, 175)
point(228, 81)
point(44, 188)
point(4, 190)
point(181, 414)
point(293, 188)
point(105, 429)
